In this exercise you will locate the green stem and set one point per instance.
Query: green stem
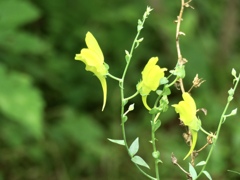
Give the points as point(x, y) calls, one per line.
point(207, 133)
point(123, 79)
point(218, 129)
point(124, 132)
point(130, 97)
point(114, 77)
point(156, 161)
point(172, 83)
point(147, 175)
point(123, 100)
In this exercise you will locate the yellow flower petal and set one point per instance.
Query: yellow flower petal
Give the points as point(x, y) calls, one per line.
point(144, 100)
point(92, 44)
point(147, 69)
point(151, 76)
point(104, 88)
point(94, 61)
point(187, 112)
point(194, 140)
point(186, 109)
point(143, 89)
point(188, 98)
point(89, 57)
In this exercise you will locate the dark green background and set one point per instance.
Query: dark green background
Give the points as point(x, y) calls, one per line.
point(51, 124)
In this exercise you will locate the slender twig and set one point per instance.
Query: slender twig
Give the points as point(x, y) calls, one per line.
point(180, 59)
point(202, 148)
point(179, 19)
point(154, 150)
point(174, 161)
point(222, 119)
point(209, 134)
point(155, 117)
point(114, 77)
point(121, 83)
point(132, 96)
point(172, 83)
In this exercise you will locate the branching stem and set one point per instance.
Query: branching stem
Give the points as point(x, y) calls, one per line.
point(222, 119)
point(121, 83)
point(180, 59)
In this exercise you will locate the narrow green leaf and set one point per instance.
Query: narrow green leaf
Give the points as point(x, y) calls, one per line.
point(192, 171)
point(140, 40)
point(133, 149)
point(208, 175)
point(120, 142)
point(127, 53)
point(234, 72)
point(201, 163)
point(138, 160)
point(234, 172)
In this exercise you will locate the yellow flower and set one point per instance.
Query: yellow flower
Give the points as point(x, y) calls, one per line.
point(151, 76)
point(187, 112)
point(94, 61)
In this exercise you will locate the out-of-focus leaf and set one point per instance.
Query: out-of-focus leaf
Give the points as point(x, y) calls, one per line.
point(21, 101)
point(133, 149)
point(234, 172)
point(192, 171)
point(22, 42)
point(138, 160)
point(208, 175)
point(15, 13)
point(82, 130)
point(190, 22)
point(201, 163)
point(117, 141)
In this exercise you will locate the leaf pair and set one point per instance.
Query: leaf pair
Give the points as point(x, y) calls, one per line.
point(133, 149)
point(193, 172)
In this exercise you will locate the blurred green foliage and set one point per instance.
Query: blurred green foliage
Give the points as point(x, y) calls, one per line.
point(51, 124)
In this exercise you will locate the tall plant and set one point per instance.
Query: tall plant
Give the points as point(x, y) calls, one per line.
point(161, 81)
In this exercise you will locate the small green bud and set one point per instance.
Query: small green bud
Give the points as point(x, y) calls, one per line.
point(156, 154)
point(234, 73)
point(124, 118)
point(234, 112)
point(131, 107)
